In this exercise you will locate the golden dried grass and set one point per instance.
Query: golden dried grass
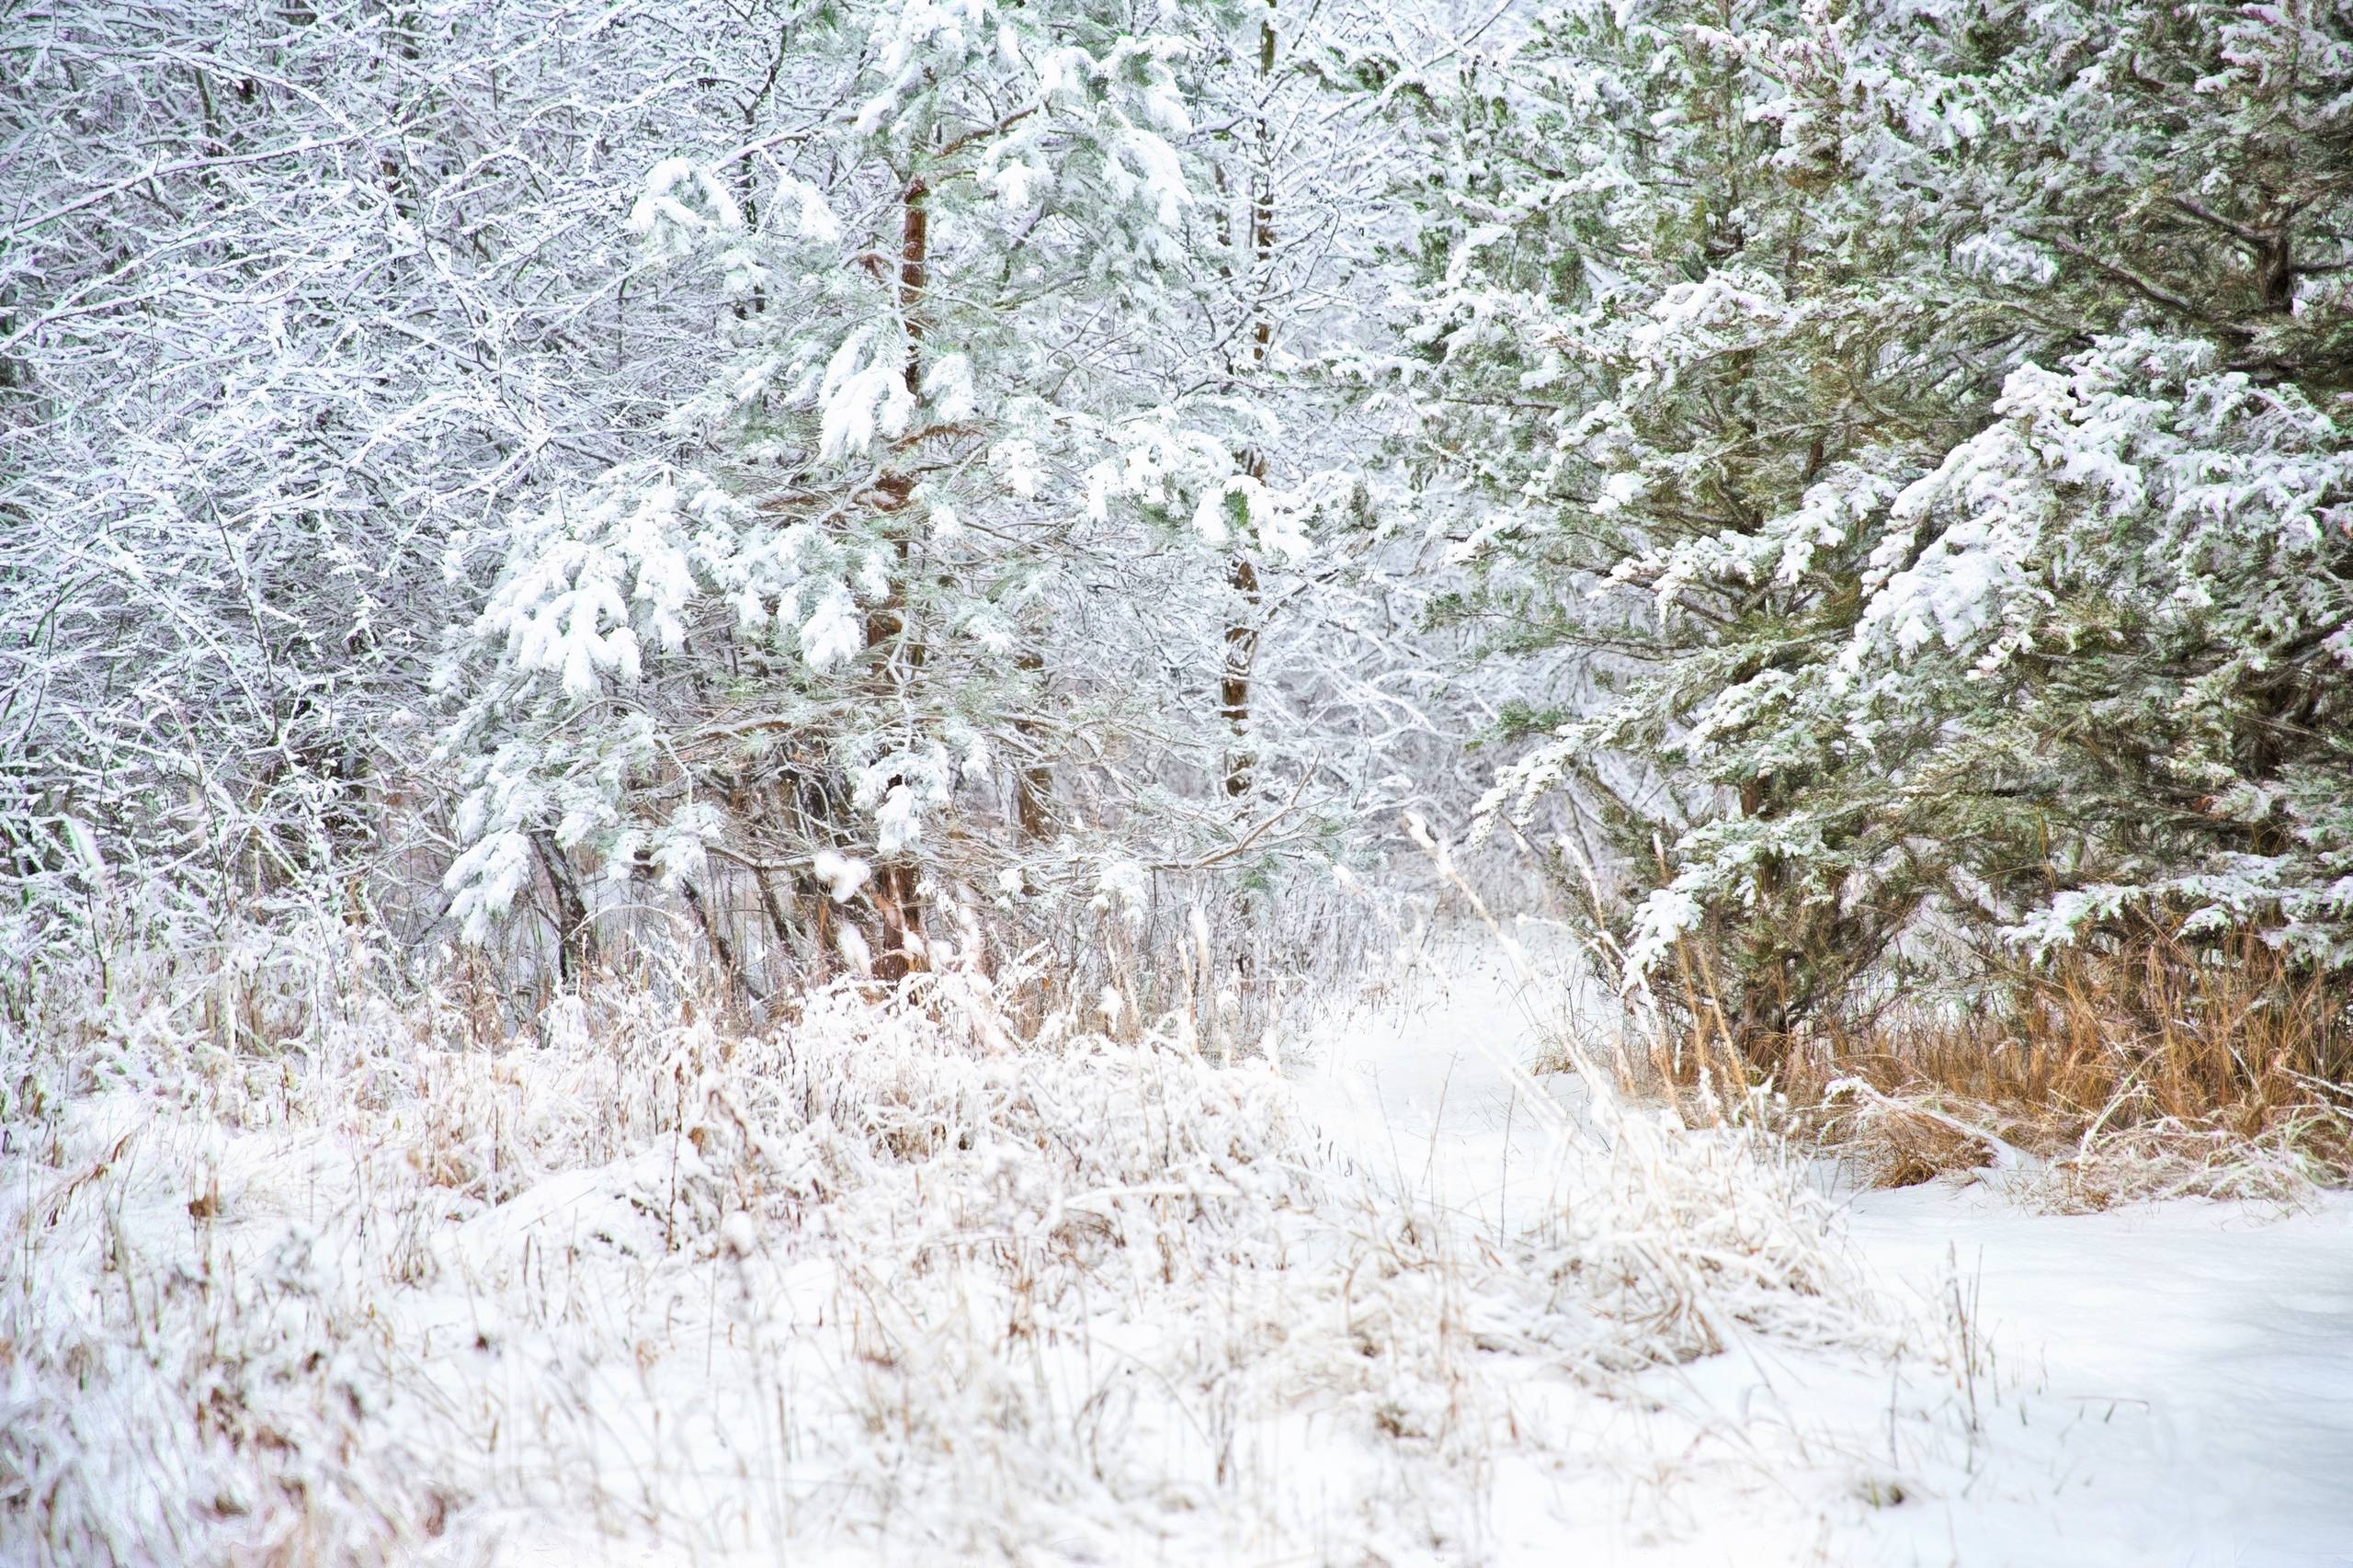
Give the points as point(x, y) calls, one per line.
point(2147, 1065)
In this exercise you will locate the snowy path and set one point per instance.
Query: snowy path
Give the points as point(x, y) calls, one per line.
point(1745, 1459)
point(1422, 1100)
point(2175, 1382)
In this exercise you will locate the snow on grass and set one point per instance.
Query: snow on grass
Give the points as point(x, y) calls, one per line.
point(880, 1283)
point(2166, 1382)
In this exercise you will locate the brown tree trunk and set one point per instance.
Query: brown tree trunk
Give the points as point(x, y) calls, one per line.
point(896, 900)
point(1242, 572)
point(893, 890)
point(1233, 689)
point(1033, 803)
point(577, 938)
point(914, 267)
point(1763, 1016)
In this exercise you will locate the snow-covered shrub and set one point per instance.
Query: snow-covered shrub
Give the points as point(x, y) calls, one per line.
point(950, 508)
point(289, 296)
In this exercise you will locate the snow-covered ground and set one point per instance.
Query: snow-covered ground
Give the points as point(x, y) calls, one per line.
point(2200, 1355)
point(879, 1289)
point(2161, 1385)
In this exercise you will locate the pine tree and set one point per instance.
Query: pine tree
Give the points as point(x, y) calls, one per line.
point(1931, 418)
point(922, 517)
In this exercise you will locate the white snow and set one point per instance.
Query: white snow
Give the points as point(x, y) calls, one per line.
point(879, 1289)
point(2174, 1382)
point(842, 874)
point(2200, 1353)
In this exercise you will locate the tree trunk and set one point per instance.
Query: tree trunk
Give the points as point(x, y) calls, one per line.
point(1242, 572)
point(577, 936)
point(1233, 689)
point(896, 900)
point(718, 939)
point(1033, 802)
point(901, 907)
point(779, 923)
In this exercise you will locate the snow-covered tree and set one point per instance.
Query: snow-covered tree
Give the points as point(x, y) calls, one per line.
point(943, 517)
point(289, 293)
point(772, 424)
point(1933, 416)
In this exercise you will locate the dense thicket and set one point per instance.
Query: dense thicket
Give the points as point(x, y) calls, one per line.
point(791, 475)
point(290, 297)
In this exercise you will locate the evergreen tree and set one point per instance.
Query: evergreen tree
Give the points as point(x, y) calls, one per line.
point(924, 525)
point(1933, 418)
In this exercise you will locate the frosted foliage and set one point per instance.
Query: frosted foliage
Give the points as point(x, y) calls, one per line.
point(662, 216)
point(541, 461)
point(707, 711)
point(863, 399)
point(915, 448)
point(1959, 519)
point(842, 874)
point(291, 301)
point(591, 581)
point(832, 632)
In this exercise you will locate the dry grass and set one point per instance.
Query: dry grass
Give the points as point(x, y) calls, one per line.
point(319, 1273)
point(2142, 1066)
point(2147, 1068)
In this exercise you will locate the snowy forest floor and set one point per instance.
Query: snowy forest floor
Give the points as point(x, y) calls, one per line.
point(881, 1289)
point(2167, 1383)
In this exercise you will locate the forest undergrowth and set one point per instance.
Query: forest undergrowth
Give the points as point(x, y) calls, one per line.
point(370, 1287)
point(2114, 1077)
point(2107, 1077)
point(2129, 1071)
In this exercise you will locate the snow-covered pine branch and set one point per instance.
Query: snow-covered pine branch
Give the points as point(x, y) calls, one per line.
point(1936, 431)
